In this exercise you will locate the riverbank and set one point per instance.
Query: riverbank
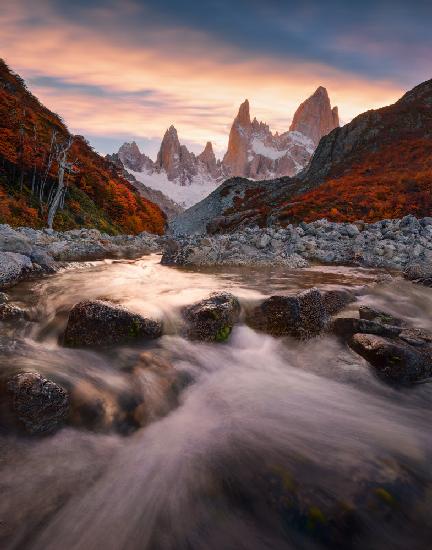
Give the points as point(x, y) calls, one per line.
point(390, 244)
point(396, 245)
point(27, 252)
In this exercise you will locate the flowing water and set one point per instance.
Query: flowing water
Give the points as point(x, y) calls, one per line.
point(274, 443)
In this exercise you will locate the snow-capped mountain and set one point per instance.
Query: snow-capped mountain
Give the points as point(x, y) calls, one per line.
point(181, 175)
point(256, 153)
point(253, 152)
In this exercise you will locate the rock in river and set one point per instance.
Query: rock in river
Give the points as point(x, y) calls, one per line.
point(393, 360)
point(302, 316)
point(100, 323)
point(212, 319)
point(40, 405)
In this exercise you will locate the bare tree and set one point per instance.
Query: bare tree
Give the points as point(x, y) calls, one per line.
point(61, 151)
point(51, 154)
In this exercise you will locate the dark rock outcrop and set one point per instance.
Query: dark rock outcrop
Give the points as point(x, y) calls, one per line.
point(393, 359)
point(212, 319)
point(378, 316)
point(347, 326)
point(336, 300)
point(9, 312)
point(38, 405)
point(302, 316)
point(100, 323)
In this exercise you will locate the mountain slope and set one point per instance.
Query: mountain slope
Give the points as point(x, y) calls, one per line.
point(378, 166)
point(96, 196)
point(170, 208)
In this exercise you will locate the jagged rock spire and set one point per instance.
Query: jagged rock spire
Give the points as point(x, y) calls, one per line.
point(315, 117)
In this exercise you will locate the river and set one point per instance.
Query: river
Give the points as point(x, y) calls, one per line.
point(274, 444)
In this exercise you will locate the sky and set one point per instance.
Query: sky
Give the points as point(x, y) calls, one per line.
point(122, 70)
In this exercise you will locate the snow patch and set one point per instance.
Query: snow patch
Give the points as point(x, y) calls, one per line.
point(185, 195)
point(259, 148)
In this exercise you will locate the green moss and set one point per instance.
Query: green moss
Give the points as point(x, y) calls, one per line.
point(385, 496)
point(223, 334)
point(315, 518)
point(135, 328)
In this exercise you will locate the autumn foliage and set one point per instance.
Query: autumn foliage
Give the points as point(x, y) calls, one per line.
point(389, 183)
point(97, 195)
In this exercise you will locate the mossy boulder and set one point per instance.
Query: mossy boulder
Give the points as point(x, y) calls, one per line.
point(213, 318)
point(101, 323)
point(393, 359)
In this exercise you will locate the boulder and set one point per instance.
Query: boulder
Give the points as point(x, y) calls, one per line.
point(212, 319)
point(393, 360)
point(336, 300)
point(9, 312)
point(347, 326)
point(419, 273)
point(101, 323)
point(13, 267)
point(39, 405)
point(302, 316)
point(12, 241)
point(371, 314)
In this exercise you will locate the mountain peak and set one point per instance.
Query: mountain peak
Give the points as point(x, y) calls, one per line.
point(315, 117)
point(243, 116)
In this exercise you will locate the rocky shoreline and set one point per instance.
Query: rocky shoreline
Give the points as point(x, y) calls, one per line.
point(401, 245)
point(391, 244)
point(26, 252)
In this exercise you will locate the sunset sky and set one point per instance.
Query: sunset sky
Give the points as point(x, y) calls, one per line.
point(122, 70)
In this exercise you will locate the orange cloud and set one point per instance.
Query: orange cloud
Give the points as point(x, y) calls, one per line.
point(197, 87)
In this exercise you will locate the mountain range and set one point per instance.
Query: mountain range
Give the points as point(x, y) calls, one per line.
point(376, 167)
point(253, 151)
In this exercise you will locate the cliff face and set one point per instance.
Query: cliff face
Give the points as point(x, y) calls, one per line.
point(255, 152)
point(131, 156)
point(96, 195)
point(315, 118)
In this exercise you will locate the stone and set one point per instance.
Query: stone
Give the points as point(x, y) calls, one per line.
point(337, 299)
point(13, 267)
point(12, 241)
point(392, 360)
point(371, 314)
point(347, 326)
point(41, 406)
point(9, 312)
point(302, 316)
point(419, 273)
point(213, 318)
point(101, 323)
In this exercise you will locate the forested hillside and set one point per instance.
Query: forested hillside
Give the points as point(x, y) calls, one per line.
point(35, 148)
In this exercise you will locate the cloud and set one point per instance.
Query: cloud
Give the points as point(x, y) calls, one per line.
point(115, 71)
